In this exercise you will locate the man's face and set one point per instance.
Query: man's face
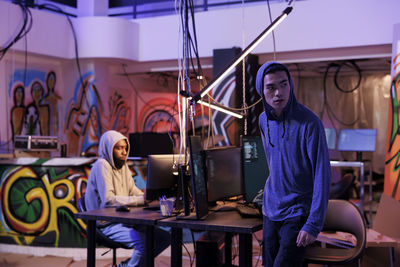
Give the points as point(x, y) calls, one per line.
point(120, 150)
point(277, 90)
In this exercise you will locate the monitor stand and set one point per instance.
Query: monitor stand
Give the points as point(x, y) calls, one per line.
point(184, 177)
point(191, 216)
point(359, 156)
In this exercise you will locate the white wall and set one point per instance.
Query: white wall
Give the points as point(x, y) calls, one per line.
point(313, 24)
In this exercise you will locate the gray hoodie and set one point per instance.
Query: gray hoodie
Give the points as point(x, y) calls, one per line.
point(107, 185)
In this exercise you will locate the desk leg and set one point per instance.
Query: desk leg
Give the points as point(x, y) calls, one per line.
point(228, 249)
point(391, 255)
point(176, 247)
point(150, 245)
point(91, 243)
point(362, 189)
point(245, 250)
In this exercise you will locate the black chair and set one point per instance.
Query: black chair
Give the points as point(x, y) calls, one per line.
point(340, 190)
point(102, 239)
point(341, 216)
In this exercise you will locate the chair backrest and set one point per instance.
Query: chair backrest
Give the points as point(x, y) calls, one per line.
point(344, 216)
point(101, 238)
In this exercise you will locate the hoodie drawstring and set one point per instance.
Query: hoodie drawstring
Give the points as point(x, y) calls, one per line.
point(269, 135)
point(284, 130)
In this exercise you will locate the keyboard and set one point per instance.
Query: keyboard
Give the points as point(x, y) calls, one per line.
point(153, 205)
point(248, 210)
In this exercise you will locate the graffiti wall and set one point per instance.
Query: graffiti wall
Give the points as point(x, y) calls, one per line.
point(34, 102)
point(38, 202)
point(392, 160)
point(76, 111)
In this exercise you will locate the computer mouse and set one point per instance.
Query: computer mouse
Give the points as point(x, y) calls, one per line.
point(122, 208)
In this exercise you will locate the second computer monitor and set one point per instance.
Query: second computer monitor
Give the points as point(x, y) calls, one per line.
point(255, 166)
point(224, 173)
point(162, 176)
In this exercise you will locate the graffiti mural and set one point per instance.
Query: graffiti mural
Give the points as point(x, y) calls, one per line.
point(86, 119)
point(33, 111)
point(225, 125)
point(158, 115)
point(38, 203)
point(392, 161)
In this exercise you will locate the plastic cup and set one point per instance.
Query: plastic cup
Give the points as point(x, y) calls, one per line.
point(166, 207)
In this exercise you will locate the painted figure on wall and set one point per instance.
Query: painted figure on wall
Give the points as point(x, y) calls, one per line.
point(18, 110)
point(86, 119)
point(40, 115)
point(37, 92)
point(120, 114)
point(51, 99)
point(82, 122)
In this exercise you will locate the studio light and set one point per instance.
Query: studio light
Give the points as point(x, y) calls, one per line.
point(244, 53)
point(224, 110)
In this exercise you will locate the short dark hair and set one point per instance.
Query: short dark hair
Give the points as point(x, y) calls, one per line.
point(275, 67)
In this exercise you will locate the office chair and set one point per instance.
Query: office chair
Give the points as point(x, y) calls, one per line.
point(102, 239)
point(340, 190)
point(341, 216)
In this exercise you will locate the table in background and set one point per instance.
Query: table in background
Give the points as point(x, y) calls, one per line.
point(229, 222)
point(137, 216)
point(361, 165)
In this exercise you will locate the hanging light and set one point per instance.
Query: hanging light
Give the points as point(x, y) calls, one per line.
point(219, 108)
point(244, 53)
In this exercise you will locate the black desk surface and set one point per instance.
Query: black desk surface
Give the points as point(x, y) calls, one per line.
point(224, 221)
point(136, 215)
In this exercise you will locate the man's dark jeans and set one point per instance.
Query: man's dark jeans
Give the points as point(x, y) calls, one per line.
point(279, 239)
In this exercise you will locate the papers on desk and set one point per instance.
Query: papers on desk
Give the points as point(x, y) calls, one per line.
point(376, 239)
point(339, 239)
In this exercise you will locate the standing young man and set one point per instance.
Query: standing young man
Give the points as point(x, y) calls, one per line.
point(297, 190)
point(110, 183)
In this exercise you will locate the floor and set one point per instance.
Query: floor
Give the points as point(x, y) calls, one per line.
point(39, 257)
point(13, 255)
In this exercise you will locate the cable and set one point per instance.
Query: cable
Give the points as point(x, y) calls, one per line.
point(329, 110)
point(273, 32)
point(25, 28)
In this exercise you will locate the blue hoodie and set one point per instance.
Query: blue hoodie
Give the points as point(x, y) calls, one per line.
point(298, 161)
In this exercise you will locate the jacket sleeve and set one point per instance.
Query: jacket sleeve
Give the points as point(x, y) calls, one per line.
point(317, 150)
point(102, 172)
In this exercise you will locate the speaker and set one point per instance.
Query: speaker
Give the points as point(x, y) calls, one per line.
point(222, 58)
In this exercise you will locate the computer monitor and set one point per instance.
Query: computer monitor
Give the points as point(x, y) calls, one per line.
point(330, 134)
point(358, 140)
point(255, 166)
point(162, 176)
point(149, 143)
point(197, 177)
point(223, 172)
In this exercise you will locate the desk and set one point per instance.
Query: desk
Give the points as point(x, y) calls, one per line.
point(361, 165)
point(134, 216)
point(229, 222)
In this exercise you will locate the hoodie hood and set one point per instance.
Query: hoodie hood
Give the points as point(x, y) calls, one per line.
point(107, 143)
point(292, 102)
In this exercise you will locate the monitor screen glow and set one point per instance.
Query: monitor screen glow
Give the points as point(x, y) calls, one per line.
point(357, 140)
point(330, 134)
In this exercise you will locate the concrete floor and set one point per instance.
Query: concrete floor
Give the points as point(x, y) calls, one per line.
point(12, 255)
